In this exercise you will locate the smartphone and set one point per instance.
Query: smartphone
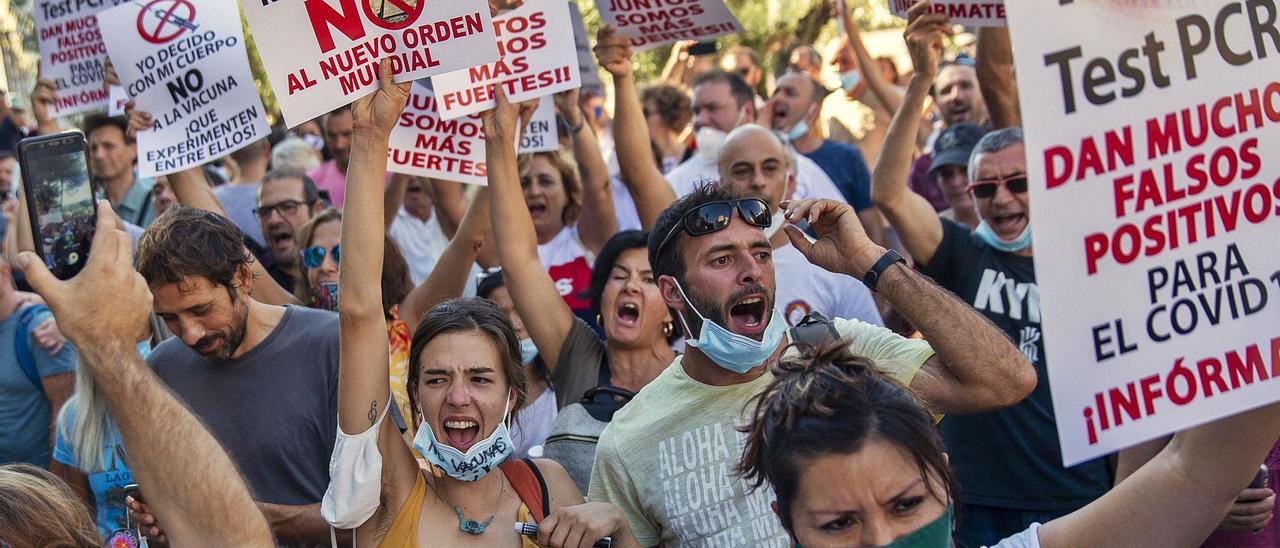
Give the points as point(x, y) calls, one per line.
point(60, 199)
point(703, 48)
point(1260, 479)
point(132, 490)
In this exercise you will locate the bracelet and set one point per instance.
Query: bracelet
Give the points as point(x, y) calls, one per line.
point(889, 258)
point(572, 129)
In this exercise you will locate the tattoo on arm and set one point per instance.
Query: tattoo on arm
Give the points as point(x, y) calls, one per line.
point(373, 412)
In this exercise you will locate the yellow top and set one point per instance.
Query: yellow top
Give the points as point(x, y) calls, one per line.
point(404, 529)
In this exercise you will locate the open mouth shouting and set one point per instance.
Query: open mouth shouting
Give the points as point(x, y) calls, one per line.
point(628, 314)
point(280, 238)
point(779, 116)
point(747, 315)
point(960, 112)
point(1008, 226)
point(537, 210)
point(461, 432)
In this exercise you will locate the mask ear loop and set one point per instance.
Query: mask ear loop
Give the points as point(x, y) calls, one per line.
point(688, 332)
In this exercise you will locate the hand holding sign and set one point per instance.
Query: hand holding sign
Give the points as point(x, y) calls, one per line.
point(500, 123)
point(924, 37)
point(613, 51)
point(375, 114)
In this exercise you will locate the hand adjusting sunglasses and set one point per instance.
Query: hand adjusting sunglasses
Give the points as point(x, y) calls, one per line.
point(313, 257)
point(986, 188)
point(715, 216)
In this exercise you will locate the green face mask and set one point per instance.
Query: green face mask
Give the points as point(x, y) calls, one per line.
point(937, 534)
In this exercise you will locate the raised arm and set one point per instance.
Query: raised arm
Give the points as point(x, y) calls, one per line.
point(393, 197)
point(869, 67)
point(910, 214)
point(448, 279)
point(192, 190)
point(677, 63)
point(598, 222)
point(651, 192)
point(996, 79)
point(976, 367)
point(1181, 495)
point(531, 288)
point(363, 393)
point(450, 204)
point(195, 488)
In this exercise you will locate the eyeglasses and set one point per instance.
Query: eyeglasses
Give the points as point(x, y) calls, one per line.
point(313, 256)
point(286, 208)
point(987, 188)
point(715, 216)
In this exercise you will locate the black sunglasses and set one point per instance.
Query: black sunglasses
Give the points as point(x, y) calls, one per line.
point(987, 188)
point(715, 216)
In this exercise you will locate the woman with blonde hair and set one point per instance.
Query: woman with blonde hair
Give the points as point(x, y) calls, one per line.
point(38, 510)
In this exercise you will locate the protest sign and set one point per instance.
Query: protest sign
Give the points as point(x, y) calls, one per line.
point(586, 58)
point(1155, 211)
point(323, 54)
point(72, 53)
point(652, 23)
point(184, 61)
point(541, 135)
point(424, 144)
point(538, 58)
point(970, 13)
point(454, 150)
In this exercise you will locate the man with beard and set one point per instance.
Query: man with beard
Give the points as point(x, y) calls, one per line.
point(959, 101)
point(286, 201)
point(676, 443)
point(263, 378)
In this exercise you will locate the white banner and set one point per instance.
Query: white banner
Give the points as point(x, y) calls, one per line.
point(970, 13)
point(322, 54)
point(538, 58)
point(540, 134)
point(72, 53)
point(1155, 193)
point(651, 24)
point(187, 66)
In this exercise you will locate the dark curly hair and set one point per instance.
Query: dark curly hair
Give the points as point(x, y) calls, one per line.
point(826, 401)
point(186, 243)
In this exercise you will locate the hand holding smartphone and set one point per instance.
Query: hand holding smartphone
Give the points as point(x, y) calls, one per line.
point(60, 199)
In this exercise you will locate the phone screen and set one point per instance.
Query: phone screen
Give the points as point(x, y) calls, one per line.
point(56, 178)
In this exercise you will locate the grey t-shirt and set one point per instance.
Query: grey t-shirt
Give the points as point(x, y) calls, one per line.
point(239, 201)
point(578, 367)
point(274, 409)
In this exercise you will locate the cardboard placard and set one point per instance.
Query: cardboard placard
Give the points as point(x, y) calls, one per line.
point(538, 58)
point(1155, 204)
point(187, 66)
point(72, 53)
point(323, 54)
point(652, 23)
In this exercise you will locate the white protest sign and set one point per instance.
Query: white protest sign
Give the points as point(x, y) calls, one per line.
point(970, 13)
point(72, 53)
point(185, 64)
point(117, 98)
point(423, 144)
point(538, 58)
point(322, 54)
point(1155, 201)
point(590, 73)
point(540, 134)
point(652, 23)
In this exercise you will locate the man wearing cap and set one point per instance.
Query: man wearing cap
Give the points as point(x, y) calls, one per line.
point(950, 168)
point(956, 93)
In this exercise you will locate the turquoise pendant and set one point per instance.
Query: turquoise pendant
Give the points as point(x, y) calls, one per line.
point(471, 526)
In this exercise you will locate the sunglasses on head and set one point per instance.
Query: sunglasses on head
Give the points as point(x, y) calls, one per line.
point(313, 256)
point(986, 188)
point(715, 216)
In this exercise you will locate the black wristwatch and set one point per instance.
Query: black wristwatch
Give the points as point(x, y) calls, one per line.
point(889, 258)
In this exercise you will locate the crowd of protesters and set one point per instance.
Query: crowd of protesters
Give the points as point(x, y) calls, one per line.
point(737, 310)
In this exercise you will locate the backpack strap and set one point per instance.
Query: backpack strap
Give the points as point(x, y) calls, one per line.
point(529, 485)
point(814, 330)
point(26, 361)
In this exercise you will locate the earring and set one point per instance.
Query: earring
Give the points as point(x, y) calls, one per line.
point(667, 328)
point(599, 320)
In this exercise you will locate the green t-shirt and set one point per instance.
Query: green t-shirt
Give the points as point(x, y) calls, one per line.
point(667, 458)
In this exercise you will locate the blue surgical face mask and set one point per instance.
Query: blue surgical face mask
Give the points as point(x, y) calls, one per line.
point(850, 80)
point(482, 458)
point(528, 351)
point(325, 296)
point(801, 127)
point(730, 350)
point(1020, 243)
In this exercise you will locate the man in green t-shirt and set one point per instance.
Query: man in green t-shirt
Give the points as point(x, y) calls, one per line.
point(667, 458)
